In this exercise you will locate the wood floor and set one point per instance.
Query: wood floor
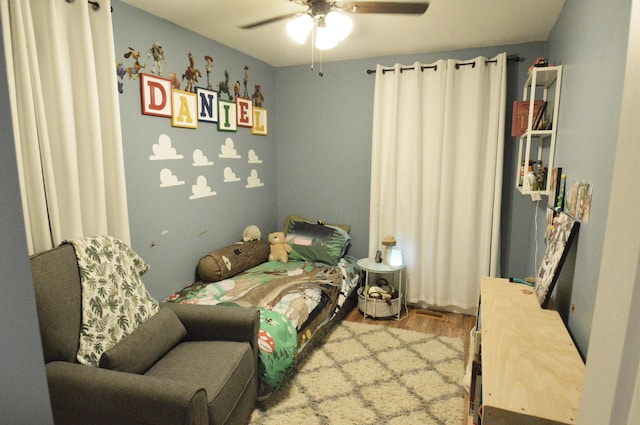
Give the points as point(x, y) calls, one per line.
point(421, 320)
point(429, 321)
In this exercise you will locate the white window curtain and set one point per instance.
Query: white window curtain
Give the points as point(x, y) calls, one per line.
point(66, 119)
point(436, 174)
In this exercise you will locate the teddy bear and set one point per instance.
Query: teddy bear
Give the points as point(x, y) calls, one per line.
point(280, 249)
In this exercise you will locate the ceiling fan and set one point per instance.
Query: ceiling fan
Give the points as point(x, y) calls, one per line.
point(327, 23)
point(319, 9)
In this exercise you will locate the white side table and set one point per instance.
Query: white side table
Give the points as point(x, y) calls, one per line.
point(370, 266)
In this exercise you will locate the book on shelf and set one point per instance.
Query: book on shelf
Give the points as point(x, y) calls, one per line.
point(520, 117)
point(539, 121)
point(561, 191)
point(554, 186)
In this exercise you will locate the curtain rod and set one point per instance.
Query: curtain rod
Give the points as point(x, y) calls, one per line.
point(94, 4)
point(510, 58)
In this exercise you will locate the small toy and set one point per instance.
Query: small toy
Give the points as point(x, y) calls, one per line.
point(134, 71)
point(156, 51)
point(257, 97)
point(209, 68)
point(191, 74)
point(280, 249)
point(251, 233)
point(223, 86)
point(539, 63)
point(245, 81)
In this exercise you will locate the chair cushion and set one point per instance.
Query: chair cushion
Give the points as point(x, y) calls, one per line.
point(226, 370)
point(139, 350)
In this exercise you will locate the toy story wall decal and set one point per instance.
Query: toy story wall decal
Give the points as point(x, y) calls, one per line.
point(253, 180)
point(209, 69)
point(154, 95)
point(163, 97)
point(200, 159)
point(207, 105)
point(190, 95)
point(164, 151)
point(223, 86)
point(230, 176)
point(184, 109)
point(244, 112)
point(201, 189)
point(259, 121)
point(253, 157)
point(228, 150)
point(191, 74)
point(168, 179)
point(131, 71)
point(227, 116)
point(156, 51)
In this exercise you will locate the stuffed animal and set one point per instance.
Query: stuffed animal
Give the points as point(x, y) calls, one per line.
point(279, 248)
point(251, 233)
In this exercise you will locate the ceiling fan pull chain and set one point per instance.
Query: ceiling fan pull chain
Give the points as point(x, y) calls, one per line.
point(313, 43)
point(321, 74)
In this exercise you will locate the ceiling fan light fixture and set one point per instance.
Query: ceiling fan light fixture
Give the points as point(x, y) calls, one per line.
point(300, 28)
point(339, 24)
point(325, 38)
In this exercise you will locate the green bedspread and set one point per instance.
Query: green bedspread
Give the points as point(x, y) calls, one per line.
point(295, 299)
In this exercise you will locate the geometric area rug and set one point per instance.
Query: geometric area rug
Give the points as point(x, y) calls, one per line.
point(369, 374)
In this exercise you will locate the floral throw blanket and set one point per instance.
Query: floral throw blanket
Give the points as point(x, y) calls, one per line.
point(295, 299)
point(114, 299)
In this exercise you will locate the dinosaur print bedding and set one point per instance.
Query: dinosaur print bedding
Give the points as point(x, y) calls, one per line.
point(295, 300)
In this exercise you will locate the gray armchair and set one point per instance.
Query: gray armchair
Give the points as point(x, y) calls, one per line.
point(187, 364)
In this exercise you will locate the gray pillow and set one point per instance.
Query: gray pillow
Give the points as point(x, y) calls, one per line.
point(143, 347)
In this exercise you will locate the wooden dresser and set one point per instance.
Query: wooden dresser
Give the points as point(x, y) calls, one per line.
point(531, 371)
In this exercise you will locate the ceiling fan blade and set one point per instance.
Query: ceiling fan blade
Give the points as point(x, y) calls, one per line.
point(270, 20)
point(384, 7)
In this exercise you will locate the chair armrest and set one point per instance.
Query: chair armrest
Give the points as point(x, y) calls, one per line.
point(219, 323)
point(85, 394)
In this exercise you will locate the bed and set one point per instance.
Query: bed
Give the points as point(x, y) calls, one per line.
point(298, 300)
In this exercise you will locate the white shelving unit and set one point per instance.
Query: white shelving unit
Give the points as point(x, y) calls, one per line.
point(543, 84)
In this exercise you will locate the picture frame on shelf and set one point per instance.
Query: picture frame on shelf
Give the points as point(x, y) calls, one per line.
point(562, 234)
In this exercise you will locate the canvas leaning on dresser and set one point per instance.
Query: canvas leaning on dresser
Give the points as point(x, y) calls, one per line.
point(531, 370)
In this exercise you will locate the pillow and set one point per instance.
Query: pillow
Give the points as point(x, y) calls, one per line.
point(142, 348)
point(316, 242)
point(231, 260)
point(345, 227)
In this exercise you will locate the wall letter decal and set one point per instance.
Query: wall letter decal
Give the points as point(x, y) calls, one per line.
point(227, 119)
point(154, 95)
point(259, 122)
point(184, 110)
point(207, 105)
point(244, 111)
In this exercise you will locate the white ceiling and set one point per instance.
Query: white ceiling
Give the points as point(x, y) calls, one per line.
point(447, 25)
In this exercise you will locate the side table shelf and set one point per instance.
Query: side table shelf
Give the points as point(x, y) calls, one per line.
point(376, 307)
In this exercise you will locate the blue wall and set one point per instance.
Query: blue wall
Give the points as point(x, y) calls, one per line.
point(24, 397)
point(168, 229)
point(590, 41)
